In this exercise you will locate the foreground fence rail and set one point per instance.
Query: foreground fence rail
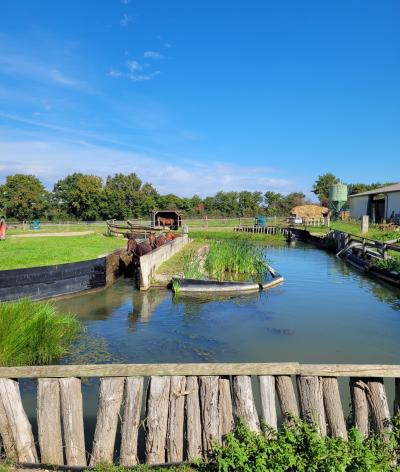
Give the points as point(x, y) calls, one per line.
point(181, 409)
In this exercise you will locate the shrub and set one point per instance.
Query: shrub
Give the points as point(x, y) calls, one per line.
point(392, 264)
point(300, 448)
point(33, 333)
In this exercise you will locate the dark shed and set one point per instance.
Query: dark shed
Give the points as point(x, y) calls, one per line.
point(170, 218)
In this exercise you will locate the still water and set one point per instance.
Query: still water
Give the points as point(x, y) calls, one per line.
point(324, 313)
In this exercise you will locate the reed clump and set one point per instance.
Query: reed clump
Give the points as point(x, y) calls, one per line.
point(192, 266)
point(235, 256)
point(34, 333)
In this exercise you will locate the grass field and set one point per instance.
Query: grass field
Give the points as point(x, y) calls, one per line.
point(60, 228)
point(31, 252)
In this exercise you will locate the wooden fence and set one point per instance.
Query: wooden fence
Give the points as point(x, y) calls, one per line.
point(279, 230)
point(186, 407)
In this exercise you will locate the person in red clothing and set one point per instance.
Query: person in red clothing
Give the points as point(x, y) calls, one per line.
point(2, 228)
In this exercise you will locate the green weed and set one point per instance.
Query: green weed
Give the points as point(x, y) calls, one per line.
point(392, 264)
point(33, 333)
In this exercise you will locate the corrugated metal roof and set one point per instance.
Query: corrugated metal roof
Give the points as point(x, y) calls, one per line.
point(387, 189)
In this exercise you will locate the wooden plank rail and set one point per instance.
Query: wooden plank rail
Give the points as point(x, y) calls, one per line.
point(183, 410)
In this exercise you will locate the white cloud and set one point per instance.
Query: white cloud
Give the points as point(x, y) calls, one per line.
point(134, 66)
point(51, 160)
point(57, 76)
point(125, 20)
point(152, 55)
point(114, 73)
point(13, 65)
point(143, 77)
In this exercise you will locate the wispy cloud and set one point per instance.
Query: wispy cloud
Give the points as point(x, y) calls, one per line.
point(114, 73)
point(152, 55)
point(143, 77)
point(126, 2)
point(133, 72)
point(60, 78)
point(134, 66)
point(14, 65)
point(52, 160)
point(125, 20)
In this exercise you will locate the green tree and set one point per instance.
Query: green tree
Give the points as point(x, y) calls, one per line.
point(321, 187)
point(23, 197)
point(121, 195)
point(81, 196)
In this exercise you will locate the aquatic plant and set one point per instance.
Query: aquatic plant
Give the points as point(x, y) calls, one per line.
point(33, 333)
point(176, 286)
point(391, 264)
point(237, 257)
point(191, 266)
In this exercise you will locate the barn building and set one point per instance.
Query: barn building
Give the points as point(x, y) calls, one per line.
point(380, 204)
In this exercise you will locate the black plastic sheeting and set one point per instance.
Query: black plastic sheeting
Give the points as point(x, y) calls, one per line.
point(51, 281)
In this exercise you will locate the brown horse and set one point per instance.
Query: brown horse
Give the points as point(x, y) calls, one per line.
point(160, 240)
point(138, 249)
point(165, 221)
point(170, 236)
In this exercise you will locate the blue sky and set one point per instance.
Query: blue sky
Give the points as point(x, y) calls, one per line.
point(201, 95)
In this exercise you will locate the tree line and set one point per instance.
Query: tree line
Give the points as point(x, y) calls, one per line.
point(121, 196)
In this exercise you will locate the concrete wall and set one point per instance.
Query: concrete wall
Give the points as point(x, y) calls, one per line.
point(358, 206)
point(393, 204)
point(150, 262)
point(62, 279)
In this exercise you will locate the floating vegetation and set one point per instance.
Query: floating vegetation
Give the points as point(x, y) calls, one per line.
point(235, 256)
point(34, 333)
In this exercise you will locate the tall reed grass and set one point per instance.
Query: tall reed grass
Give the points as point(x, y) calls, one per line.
point(235, 256)
point(192, 266)
point(34, 333)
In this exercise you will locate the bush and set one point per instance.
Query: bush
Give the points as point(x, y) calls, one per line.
point(33, 333)
point(300, 448)
point(392, 264)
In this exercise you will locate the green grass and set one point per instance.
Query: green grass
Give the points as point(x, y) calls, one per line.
point(235, 256)
point(60, 228)
point(34, 333)
point(354, 227)
point(207, 236)
point(31, 252)
point(175, 264)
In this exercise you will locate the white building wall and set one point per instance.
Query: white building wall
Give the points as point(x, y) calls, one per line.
point(358, 206)
point(393, 204)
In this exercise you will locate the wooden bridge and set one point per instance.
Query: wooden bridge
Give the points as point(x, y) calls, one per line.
point(180, 408)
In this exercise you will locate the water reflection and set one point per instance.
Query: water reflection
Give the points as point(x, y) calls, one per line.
point(324, 312)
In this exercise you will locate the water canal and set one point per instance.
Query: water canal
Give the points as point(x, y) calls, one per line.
point(324, 312)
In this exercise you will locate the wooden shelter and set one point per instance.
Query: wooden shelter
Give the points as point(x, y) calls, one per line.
point(157, 216)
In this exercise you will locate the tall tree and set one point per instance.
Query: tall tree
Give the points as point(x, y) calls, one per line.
point(321, 186)
point(81, 196)
point(23, 197)
point(122, 194)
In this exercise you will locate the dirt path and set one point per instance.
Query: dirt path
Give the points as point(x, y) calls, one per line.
point(42, 235)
